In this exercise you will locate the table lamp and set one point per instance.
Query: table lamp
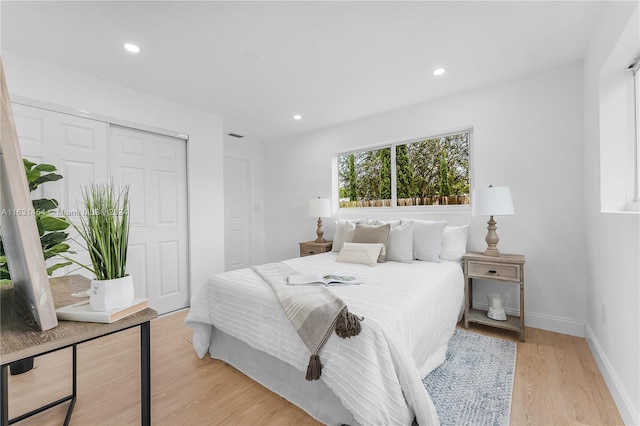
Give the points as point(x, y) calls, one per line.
point(320, 207)
point(492, 201)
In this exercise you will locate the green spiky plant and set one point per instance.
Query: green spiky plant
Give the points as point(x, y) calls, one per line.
point(50, 227)
point(104, 227)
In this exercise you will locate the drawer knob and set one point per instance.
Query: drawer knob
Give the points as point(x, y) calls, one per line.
point(491, 271)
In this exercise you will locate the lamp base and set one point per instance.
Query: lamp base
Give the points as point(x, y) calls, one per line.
point(492, 252)
point(492, 239)
point(320, 232)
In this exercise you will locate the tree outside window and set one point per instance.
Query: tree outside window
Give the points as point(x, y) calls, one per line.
point(430, 171)
point(365, 178)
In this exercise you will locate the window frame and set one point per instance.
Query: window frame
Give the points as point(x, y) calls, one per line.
point(394, 200)
point(635, 68)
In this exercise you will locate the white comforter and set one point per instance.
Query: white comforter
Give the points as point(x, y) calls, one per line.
point(410, 313)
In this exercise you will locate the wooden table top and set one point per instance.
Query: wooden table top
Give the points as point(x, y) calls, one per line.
point(19, 340)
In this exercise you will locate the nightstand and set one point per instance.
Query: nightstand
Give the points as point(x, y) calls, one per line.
point(506, 268)
point(307, 248)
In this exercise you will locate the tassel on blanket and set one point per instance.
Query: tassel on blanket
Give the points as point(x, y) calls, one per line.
point(314, 369)
point(348, 324)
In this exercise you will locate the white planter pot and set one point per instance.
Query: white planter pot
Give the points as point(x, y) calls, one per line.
point(106, 295)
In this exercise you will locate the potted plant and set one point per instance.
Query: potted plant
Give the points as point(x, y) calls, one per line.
point(104, 227)
point(53, 237)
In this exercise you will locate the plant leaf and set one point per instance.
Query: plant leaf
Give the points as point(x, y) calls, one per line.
point(28, 165)
point(51, 269)
point(50, 177)
point(55, 250)
point(44, 204)
point(50, 223)
point(45, 167)
point(53, 238)
point(32, 175)
point(39, 225)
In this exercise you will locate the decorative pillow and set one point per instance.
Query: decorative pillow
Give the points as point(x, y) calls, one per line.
point(400, 247)
point(373, 234)
point(427, 239)
point(367, 254)
point(454, 242)
point(344, 232)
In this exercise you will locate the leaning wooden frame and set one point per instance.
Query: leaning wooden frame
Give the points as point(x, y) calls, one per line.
point(19, 230)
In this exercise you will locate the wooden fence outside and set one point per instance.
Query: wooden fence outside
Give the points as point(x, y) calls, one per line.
point(418, 201)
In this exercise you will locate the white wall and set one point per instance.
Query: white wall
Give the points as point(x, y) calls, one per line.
point(527, 134)
point(613, 254)
point(42, 82)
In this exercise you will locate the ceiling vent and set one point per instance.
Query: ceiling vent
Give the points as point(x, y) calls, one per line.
point(235, 135)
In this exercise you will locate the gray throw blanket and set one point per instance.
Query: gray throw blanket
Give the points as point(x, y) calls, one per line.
point(314, 311)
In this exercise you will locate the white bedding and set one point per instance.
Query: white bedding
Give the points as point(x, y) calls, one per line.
point(410, 313)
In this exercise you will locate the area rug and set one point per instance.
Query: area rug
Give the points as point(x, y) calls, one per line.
point(474, 384)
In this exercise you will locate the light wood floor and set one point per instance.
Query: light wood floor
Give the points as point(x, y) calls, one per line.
point(557, 382)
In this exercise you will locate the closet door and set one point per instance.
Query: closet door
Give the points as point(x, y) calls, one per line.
point(76, 146)
point(154, 166)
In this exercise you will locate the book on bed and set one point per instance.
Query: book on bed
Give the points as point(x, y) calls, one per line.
point(82, 312)
point(327, 280)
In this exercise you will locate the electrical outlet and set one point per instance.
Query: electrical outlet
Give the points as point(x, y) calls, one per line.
point(604, 313)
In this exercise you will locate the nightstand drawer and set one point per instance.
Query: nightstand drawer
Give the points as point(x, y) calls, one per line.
point(307, 251)
point(308, 248)
point(493, 271)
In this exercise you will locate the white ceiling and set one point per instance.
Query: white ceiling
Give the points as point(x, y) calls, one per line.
point(258, 63)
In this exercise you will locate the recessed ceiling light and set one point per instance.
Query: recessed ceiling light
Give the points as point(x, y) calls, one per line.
point(132, 47)
point(297, 117)
point(438, 71)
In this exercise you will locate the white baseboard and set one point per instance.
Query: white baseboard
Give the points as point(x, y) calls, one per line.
point(620, 397)
point(545, 322)
point(555, 324)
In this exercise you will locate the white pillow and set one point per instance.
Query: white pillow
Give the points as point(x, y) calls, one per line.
point(344, 232)
point(400, 246)
point(390, 222)
point(454, 242)
point(364, 253)
point(427, 239)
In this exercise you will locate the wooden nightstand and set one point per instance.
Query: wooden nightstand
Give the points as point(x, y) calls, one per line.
point(507, 268)
point(307, 248)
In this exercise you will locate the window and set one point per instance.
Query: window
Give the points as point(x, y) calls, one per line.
point(365, 178)
point(618, 122)
point(430, 171)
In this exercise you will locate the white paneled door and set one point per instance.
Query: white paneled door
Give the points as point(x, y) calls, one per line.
point(154, 166)
point(77, 147)
point(237, 214)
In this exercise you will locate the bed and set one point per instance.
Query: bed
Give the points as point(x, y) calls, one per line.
point(409, 309)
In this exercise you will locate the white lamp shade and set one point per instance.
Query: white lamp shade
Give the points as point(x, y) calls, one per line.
point(319, 207)
point(492, 201)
